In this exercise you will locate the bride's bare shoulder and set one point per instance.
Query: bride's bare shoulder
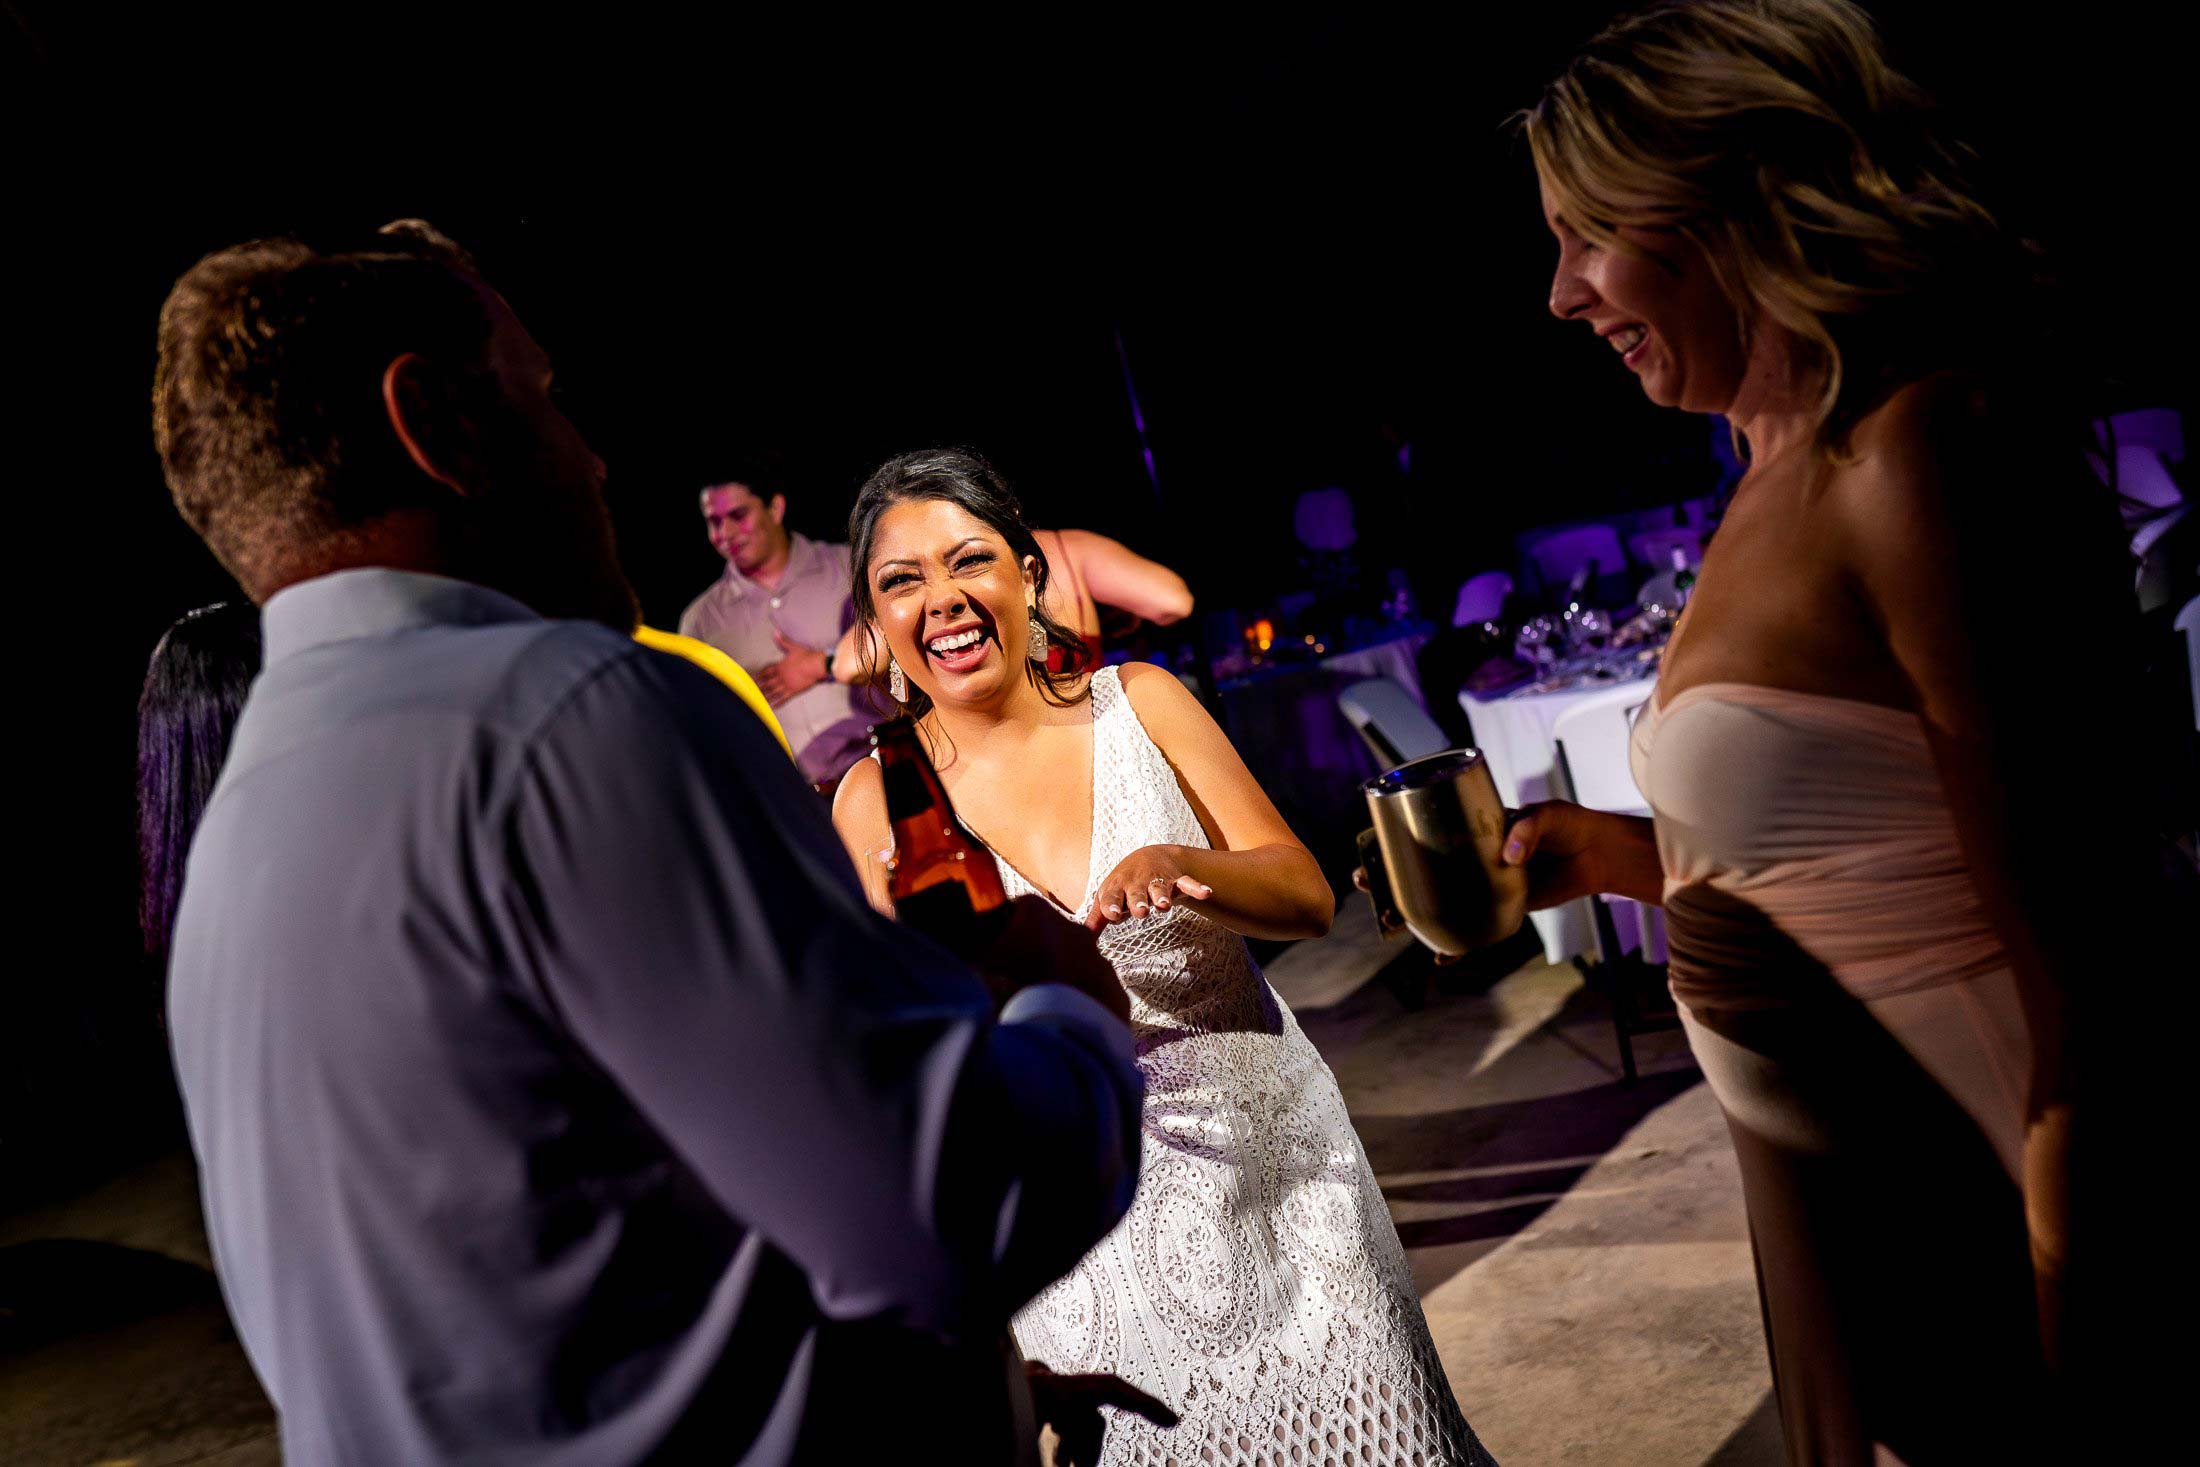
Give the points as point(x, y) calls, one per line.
point(1156, 689)
point(859, 817)
point(1173, 717)
point(859, 805)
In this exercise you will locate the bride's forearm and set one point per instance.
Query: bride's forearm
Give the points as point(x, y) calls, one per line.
point(1275, 892)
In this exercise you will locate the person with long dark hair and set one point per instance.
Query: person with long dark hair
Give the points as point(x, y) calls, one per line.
point(1882, 892)
point(1258, 1287)
point(195, 686)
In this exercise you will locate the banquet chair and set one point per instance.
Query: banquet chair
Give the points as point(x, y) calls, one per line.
point(1557, 558)
point(1653, 549)
point(2160, 429)
point(2188, 622)
point(1396, 728)
point(1482, 599)
point(1590, 768)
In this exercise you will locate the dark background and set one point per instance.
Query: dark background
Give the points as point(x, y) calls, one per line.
point(814, 243)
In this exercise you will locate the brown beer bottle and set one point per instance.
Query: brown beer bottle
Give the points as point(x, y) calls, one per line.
point(941, 880)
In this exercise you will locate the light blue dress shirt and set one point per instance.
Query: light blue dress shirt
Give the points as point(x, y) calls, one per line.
point(557, 1095)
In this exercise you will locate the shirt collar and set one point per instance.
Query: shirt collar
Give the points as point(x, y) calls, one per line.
point(801, 551)
point(373, 602)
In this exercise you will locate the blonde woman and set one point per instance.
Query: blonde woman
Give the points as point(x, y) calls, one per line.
point(1879, 945)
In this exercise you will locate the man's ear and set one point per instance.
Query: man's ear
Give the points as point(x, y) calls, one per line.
point(430, 422)
point(778, 507)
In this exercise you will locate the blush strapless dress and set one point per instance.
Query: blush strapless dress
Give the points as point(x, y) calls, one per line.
point(1858, 1019)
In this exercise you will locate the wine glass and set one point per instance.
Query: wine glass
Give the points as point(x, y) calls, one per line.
point(1588, 629)
point(1537, 641)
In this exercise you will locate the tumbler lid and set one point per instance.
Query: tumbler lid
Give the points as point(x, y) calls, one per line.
point(1433, 769)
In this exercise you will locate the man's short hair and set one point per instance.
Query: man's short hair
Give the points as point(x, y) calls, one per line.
point(267, 399)
point(763, 475)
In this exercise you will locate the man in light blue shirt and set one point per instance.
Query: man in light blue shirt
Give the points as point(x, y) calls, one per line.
point(557, 1095)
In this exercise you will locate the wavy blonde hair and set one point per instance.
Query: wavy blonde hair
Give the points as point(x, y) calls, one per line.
point(1825, 197)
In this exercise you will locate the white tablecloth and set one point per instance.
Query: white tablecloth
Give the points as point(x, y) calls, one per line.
point(1514, 735)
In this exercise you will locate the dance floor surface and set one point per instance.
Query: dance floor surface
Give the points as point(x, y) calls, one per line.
point(1579, 1244)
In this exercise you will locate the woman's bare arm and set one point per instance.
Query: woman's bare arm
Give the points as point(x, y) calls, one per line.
point(859, 814)
point(1264, 882)
point(848, 663)
point(1946, 510)
point(1925, 540)
point(1120, 577)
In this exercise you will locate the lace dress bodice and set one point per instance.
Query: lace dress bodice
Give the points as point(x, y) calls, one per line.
point(1257, 1285)
point(1185, 975)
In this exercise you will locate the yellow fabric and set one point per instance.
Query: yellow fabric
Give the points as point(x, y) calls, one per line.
point(719, 666)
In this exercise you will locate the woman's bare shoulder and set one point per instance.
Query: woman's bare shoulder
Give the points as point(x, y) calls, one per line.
point(1934, 429)
point(1940, 447)
point(1155, 688)
point(859, 805)
point(1950, 472)
point(1172, 716)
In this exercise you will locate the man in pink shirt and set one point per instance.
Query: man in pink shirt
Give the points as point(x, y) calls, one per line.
point(782, 597)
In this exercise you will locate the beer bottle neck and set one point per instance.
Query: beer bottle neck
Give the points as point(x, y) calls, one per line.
point(916, 802)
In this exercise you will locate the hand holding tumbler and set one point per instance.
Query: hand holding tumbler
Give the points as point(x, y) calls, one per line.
point(1440, 834)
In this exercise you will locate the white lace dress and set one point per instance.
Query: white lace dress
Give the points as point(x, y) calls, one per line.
point(1257, 1285)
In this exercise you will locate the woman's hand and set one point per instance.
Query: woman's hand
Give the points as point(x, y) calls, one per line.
point(1149, 879)
point(1556, 841)
point(1571, 851)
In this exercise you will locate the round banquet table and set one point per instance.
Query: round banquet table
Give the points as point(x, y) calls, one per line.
point(1514, 735)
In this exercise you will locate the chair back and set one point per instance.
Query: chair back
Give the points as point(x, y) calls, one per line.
point(2188, 622)
point(2161, 429)
point(1558, 557)
point(2143, 476)
point(1397, 728)
point(1482, 599)
point(1653, 549)
point(1592, 739)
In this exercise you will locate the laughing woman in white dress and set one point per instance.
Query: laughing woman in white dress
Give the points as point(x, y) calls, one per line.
point(1257, 1286)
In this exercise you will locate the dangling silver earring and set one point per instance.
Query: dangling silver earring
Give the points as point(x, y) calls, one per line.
point(896, 684)
point(1038, 650)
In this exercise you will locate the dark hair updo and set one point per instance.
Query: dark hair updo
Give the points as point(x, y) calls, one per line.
point(962, 478)
point(194, 690)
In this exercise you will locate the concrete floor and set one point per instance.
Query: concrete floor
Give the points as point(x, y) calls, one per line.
point(1580, 1244)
